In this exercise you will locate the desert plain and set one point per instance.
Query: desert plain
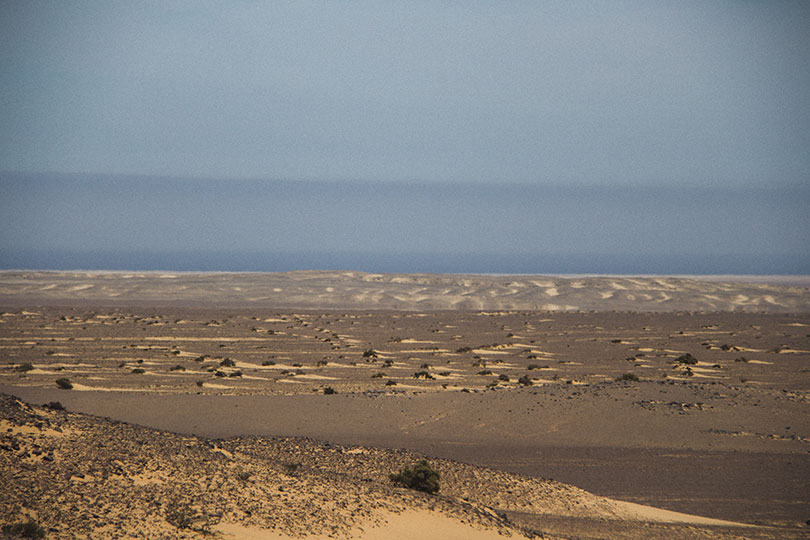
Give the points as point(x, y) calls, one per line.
point(277, 405)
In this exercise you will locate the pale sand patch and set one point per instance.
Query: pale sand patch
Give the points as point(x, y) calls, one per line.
point(248, 365)
point(552, 291)
point(84, 388)
point(13, 429)
point(760, 362)
point(639, 512)
point(792, 351)
point(797, 324)
point(409, 340)
point(316, 377)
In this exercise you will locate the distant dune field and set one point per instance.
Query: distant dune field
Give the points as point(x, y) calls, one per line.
point(410, 292)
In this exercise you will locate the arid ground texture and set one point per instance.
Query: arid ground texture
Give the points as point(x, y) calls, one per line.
point(278, 404)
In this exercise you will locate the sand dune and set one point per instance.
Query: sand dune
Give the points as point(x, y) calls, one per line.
point(124, 481)
point(357, 290)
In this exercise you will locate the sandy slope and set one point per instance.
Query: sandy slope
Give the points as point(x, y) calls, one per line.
point(357, 290)
point(79, 476)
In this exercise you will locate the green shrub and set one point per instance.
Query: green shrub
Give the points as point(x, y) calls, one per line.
point(329, 390)
point(687, 359)
point(422, 477)
point(503, 377)
point(24, 529)
point(627, 377)
point(370, 353)
point(390, 383)
point(422, 374)
point(138, 371)
point(227, 362)
point(64, 384)
point(22, 368)
point(525, 381)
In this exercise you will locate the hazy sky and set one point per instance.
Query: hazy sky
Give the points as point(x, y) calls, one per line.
point(659, 93)
point(532, 136)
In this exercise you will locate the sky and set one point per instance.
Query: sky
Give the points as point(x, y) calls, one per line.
point(519, 130)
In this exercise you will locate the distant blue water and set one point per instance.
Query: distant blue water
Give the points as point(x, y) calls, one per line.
point(405, 263)
point(71, 222)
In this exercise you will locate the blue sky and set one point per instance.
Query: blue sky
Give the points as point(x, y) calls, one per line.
point(672, 97)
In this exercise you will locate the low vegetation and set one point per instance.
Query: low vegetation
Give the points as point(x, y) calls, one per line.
point(422, 477)
point(64, 383)
point(687, 359)
point(23, 529)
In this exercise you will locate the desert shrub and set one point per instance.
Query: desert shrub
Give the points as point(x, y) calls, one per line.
point(322, 363)
point(236, 373)
point(175, 352)
point(425, 366)
point(178, 367)
point(444, 374)
point(370, 353)
point(64, 383)
point(390, 383)
point(627, 377)
point(185, 517)
point(422, 477)
point(741, 359)
point(54, 406)
point(200, 383)
point(485, 372)
point(686, 359)
point(388, 362)
point(227, 362)
point(22, 368)
point(268, 363)
point(24, 529)
point(462, 350)
point(244, 476)
point(138, 371)
point(525, 381)
point(422, 374)
point(291, 467)
point(395, 340)
point(219, 373)
point(503, 377)
point(329, 390)
point(379, 375)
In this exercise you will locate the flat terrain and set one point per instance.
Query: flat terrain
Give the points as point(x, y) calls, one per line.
point(702, 412)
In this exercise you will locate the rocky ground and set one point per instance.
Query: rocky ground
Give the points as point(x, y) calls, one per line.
point(688, 395)
point(79, 476)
